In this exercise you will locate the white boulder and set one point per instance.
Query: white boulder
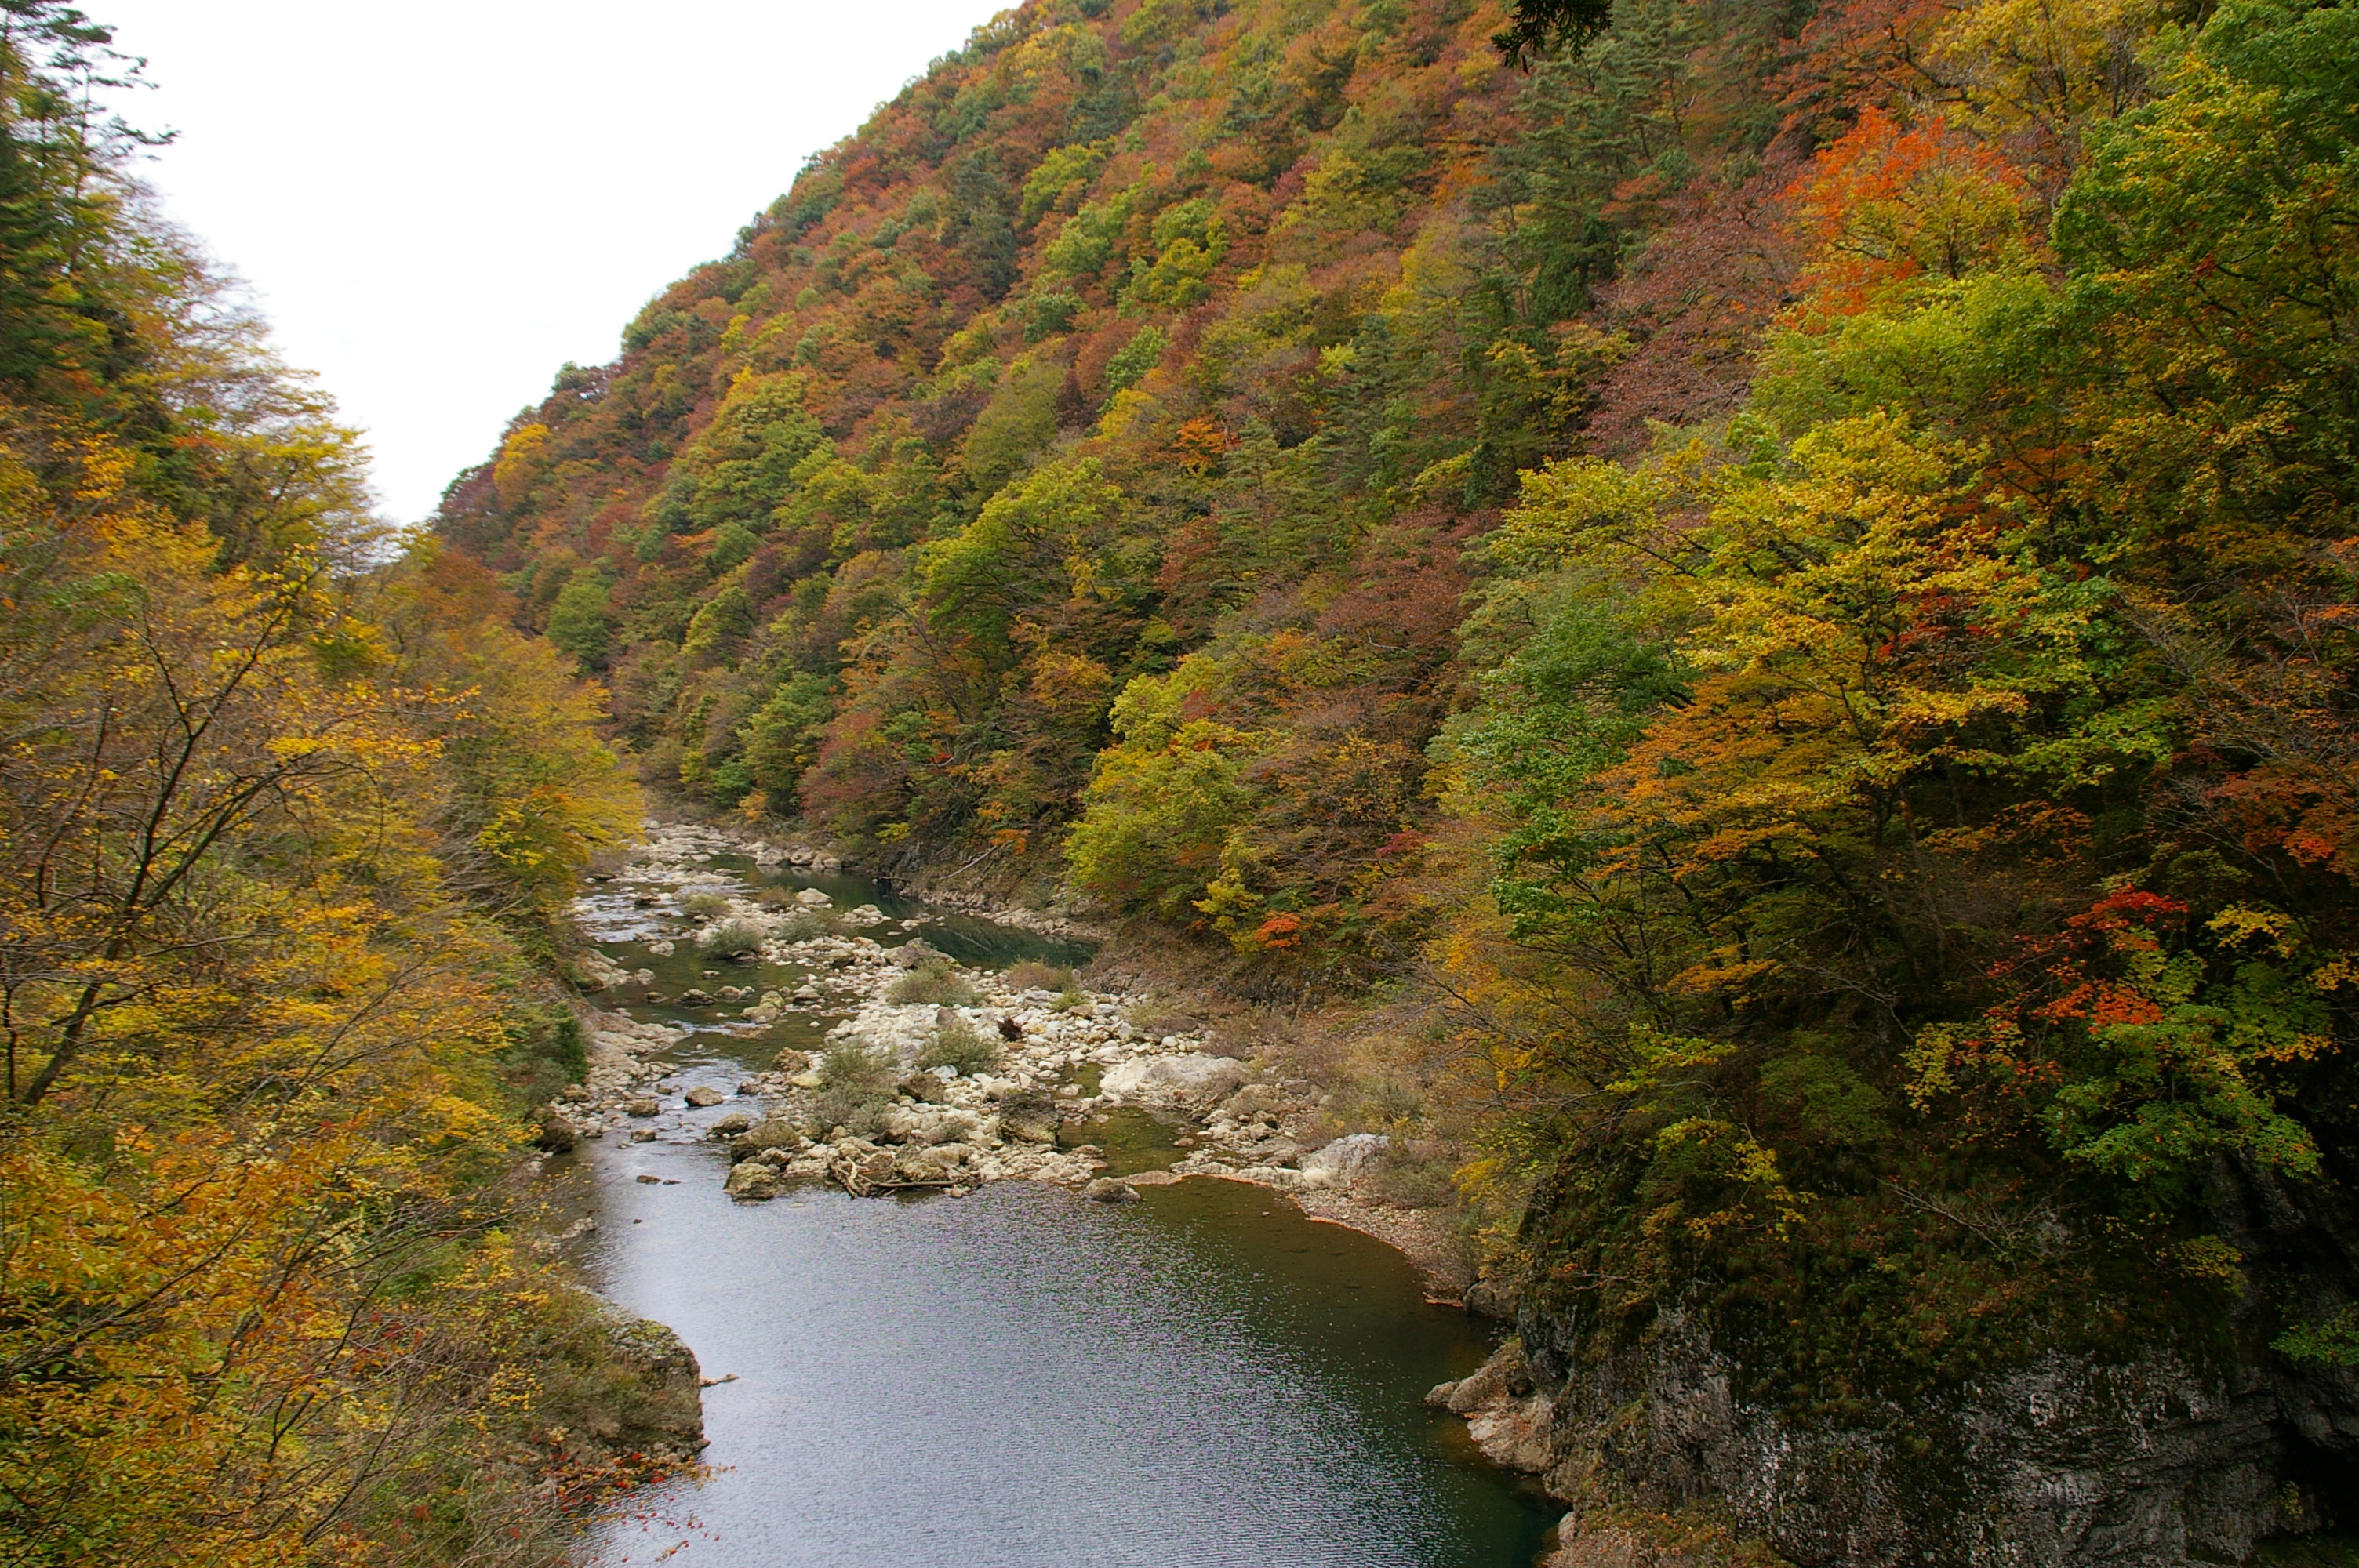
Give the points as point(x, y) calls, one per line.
point(1191, 1081)
point(1342, 1162)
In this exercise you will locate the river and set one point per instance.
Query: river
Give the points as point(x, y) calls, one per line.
point(1020, 1377)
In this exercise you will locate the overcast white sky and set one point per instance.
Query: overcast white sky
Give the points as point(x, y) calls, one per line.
point(437, 203)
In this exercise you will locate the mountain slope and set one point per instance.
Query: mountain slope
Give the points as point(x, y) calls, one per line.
point(1769, 602)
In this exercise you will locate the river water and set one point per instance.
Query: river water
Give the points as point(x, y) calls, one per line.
point(1022, 1377)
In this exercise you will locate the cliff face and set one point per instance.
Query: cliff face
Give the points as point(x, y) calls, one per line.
point(2144, 1446)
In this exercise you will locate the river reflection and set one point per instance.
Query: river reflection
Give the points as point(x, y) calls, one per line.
point(1024, 1378)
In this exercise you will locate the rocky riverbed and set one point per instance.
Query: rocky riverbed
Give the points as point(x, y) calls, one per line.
point(933, 1074)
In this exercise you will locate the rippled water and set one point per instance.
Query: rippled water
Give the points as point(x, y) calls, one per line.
point(1023, 1376)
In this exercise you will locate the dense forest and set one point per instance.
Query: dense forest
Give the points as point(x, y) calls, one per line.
point(1793, 565)
point(288, 807)
point(1761, 599)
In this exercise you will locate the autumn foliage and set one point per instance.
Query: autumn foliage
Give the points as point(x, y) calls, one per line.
point(285, 807)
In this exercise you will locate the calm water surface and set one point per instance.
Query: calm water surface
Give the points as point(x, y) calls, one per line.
point(1024, 1378)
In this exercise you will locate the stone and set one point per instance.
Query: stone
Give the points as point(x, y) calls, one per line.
point(867, 914)
point(790, 1061)
point(660, 949)
point(750, 1181)
point(910, 954)
point(1346, 1160)
point(574, 1094)
point(729, 1126)
point(1255, 1100)
point(811, 898)
point(558, 1135)
point(1190, 1081)
point(925, 1087)
point(645, 1180)
point(643, 1106)
point(695, 997)
point(643, 1135)
point(704, 1094)
point(1029, 1118)
point(771, 1132)
point(1105, 1189)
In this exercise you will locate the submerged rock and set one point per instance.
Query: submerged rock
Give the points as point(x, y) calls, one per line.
point(1105, 1189)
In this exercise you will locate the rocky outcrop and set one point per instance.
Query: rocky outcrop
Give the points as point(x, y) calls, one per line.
point(2153, 1462)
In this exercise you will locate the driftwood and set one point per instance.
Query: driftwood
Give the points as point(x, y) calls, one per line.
point(853, 1176)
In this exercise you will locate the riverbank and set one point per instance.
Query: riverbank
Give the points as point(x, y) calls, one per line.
point(934, 1074)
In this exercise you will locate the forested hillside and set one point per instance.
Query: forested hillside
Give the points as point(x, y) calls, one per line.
point(287, 809)
point(1793, 564)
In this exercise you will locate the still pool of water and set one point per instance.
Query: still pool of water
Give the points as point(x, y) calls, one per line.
point(1021, 1379)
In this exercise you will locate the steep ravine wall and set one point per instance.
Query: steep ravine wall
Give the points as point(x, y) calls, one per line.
point(2162, 1453)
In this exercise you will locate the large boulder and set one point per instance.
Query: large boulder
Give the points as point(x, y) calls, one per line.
point(1342, 1162)
point(751, 1181)
point(704, 1094)
point(771, 1132)
point(1190, 1081)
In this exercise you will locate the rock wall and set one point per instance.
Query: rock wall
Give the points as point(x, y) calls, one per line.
point(2158, 1455)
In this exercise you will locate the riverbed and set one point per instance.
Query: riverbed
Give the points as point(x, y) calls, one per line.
point(1020, 1376)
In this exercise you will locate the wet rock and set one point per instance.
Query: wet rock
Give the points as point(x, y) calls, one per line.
point(811, 898)
point(643, 1135)
point(867, 914)
point(704, 1094)
point(643, 1106)
point(558, 1135)
point(1190, 1081)
point(790, 1061)
point(1105, 1189)
point(660, 949)
point(1344, 1161)
point(694, 997)
point(751, 1182)
point(730, 1125)
point(1010, 1029)
point(574, 1094)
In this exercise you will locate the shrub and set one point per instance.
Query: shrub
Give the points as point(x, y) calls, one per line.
point(731, 937)
point(1072, 999)
point(858, 1087)
point(957, 1045)
point(704, 904)
point(936, 982)
point(1417, 1174)
point(1032, 975)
